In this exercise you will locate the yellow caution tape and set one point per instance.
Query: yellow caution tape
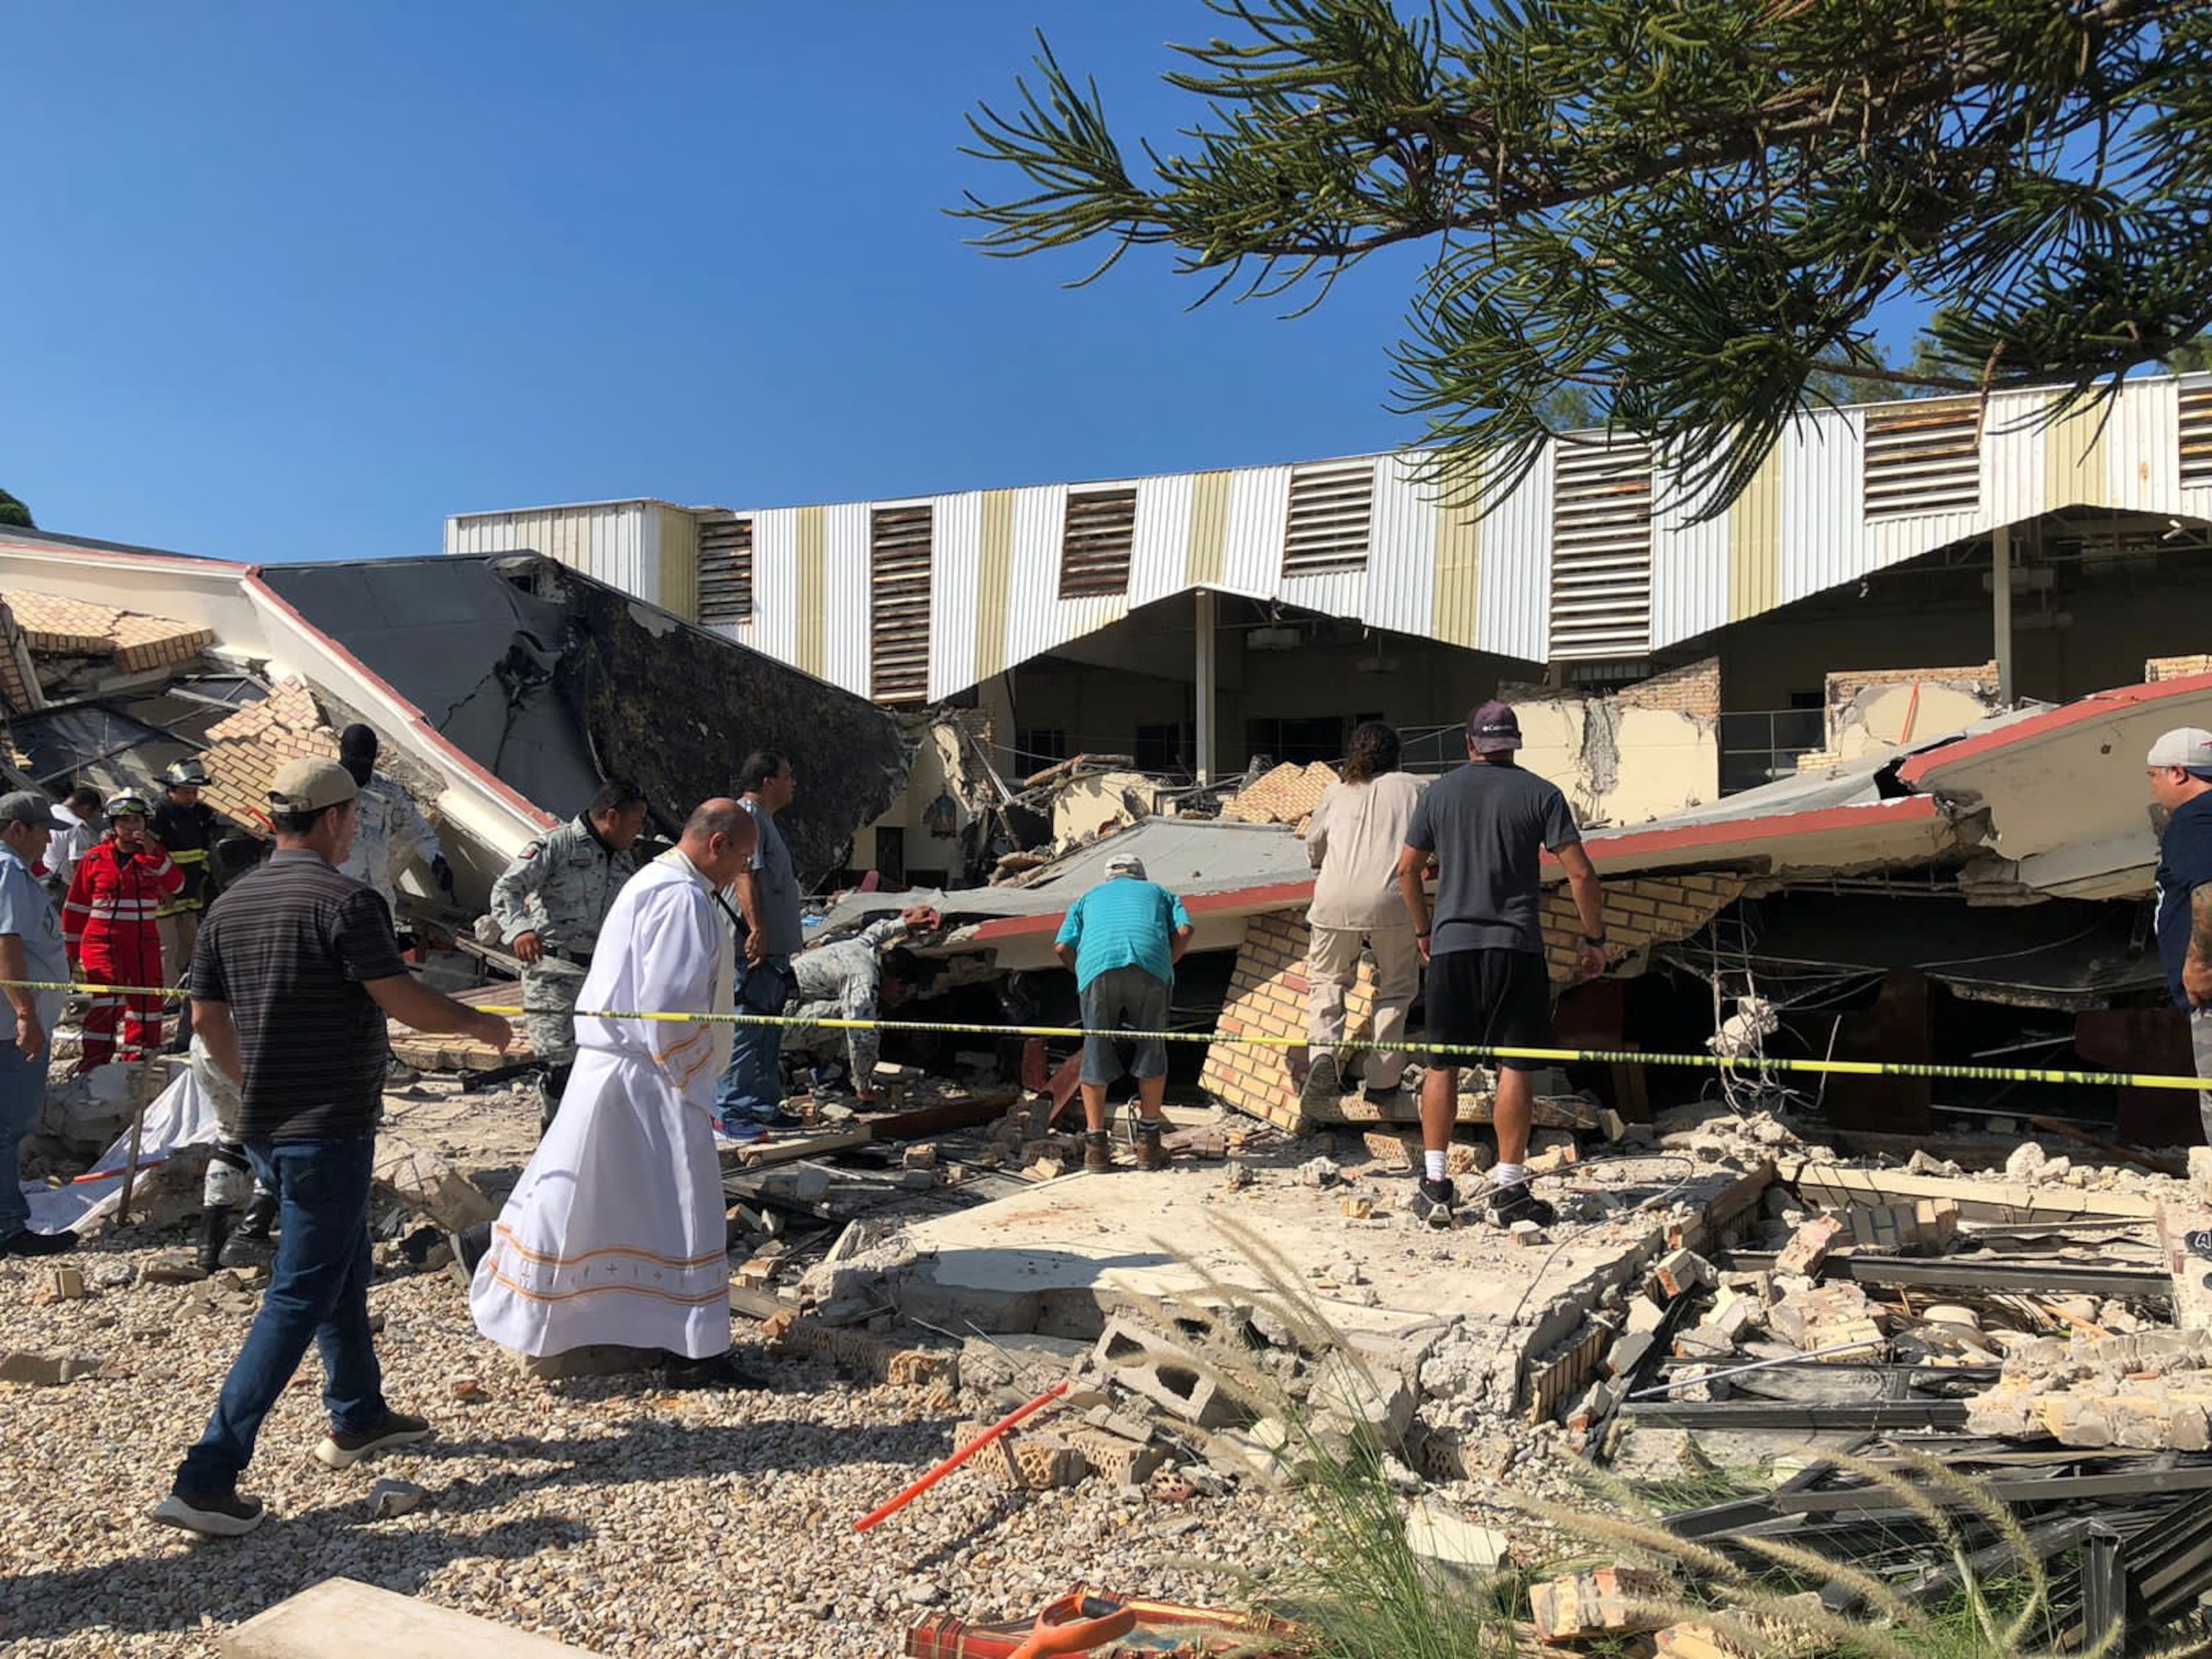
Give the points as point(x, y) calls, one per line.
point(1704, 1062)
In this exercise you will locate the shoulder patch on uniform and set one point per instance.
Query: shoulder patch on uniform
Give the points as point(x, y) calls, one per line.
point(533, 850)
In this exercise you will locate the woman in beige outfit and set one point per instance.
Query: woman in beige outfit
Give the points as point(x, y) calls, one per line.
point(1353, 840)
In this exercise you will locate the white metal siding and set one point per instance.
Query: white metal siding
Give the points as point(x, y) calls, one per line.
point(2143, 458)
point(1825, 541)
point(1513, 617)
point(774, 629)
point(1689, 563)
point(605, 540)
point(956, 593)
point(1159, 563)
point(846, 659)
point(1252, 558)
point(2014, 484)
point(1402, 562)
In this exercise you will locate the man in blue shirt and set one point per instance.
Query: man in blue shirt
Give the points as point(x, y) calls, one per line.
point(2181, 783)
point(1123, 939)
point(30, 949)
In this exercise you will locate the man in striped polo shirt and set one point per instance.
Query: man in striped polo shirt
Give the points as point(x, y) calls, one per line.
point(295, 970)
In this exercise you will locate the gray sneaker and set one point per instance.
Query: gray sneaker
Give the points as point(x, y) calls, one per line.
point(1324, 1083)
point(211, 1514)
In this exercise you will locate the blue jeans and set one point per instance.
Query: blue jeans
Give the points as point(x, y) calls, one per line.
point(752, 1084)
point(318, 1291)
point(22, 1099)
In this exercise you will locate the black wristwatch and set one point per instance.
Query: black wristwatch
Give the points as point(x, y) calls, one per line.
point(1598, 943)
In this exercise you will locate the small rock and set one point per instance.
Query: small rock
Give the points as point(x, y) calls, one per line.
point(115, 1275)
point(59, 1285)
point(1361, 1208)
point(1237, 1175)
point(918, 1178)
point(1319, 1172)
point(173, 1268)
point(1529, 1234)
point(469, 1391)
point(387, 1498)
point(46, 1370)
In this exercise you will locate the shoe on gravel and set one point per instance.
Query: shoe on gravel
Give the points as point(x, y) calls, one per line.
point(211, 1514)
point(1433, 1201)
point(28, 1243)
point(1097, 1153)
point(1509, 1205)
point(341, 1450)
point(1324, 1083)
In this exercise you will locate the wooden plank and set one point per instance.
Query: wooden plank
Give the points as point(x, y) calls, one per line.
point(345, 1618)
point(1835, 1185)
point(762, 1153)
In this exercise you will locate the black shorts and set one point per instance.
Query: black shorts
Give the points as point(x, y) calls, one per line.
point(1497, 999)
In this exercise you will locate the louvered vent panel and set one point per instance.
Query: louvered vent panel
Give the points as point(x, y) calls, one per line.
point(2197, 437)
point(1600, 551)
point(1094, 555)
point(1923, 458)
point(898, 604)
point(726, 569)
point(1332, 506)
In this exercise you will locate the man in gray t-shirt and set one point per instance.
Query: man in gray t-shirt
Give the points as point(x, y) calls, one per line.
point(750, 1097)
point(1487, 827)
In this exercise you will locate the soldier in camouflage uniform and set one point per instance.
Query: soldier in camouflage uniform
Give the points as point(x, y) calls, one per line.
point(548, 906)
point(389, 828)
point(853, 979)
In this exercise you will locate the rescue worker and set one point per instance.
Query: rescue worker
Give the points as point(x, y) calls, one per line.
point(392, 830)
point(109, 927)
point(854, 979)
point(547, 907)
point(187, 829)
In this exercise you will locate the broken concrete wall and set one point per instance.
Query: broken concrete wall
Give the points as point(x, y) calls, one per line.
point(951, 749)
point(1870, 711)
point(1090, 805)
point(1635, 755)
point(2176, 668)
point(1286, 794)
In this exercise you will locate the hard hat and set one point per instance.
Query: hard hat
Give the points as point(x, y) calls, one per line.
point(187, 773)
point(126, 803)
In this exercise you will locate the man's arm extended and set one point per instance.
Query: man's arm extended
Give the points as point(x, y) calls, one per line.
point(2197, 966)
point(412, 1003)
point(15, 965)
point(1590, 907)
point(1413, 869)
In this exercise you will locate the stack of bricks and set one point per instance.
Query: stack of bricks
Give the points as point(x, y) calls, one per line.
point(144, 642)
point(246, 750)
point(1268, 992)
point(1286, 795)
point(1268, 998)
point(2176, 668)
point(1639, 914)
point(1613, 1601)
point(19, 675)
point(1830, 1318)
point(1925, 1228)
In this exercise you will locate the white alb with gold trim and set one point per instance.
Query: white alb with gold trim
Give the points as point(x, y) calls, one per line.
point(615, 1232)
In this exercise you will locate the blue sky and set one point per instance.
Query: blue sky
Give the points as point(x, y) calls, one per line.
point(297, 280)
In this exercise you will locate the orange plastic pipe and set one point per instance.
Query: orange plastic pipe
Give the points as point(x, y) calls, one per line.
point(961, 1457)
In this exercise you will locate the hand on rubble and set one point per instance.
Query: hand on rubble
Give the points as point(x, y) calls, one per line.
point(442, 874)
point(492, 1030)
point(529, 949)
point(922, 918)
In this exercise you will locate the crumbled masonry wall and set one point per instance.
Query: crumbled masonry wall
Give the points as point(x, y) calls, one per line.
point(2176, 668)
point(1267, 990)
point(19, 675)
point(1288, 794)
point(1638, 755)
point(73, 627)
point(245, 750)
point(1866, 712)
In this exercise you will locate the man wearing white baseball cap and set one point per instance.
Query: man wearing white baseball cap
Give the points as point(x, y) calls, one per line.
point(2181, 783)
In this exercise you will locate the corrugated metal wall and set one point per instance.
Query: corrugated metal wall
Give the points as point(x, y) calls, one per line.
point(1431, 571)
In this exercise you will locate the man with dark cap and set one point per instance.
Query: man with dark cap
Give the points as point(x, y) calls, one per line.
point(392, 831)
point(1488, 826)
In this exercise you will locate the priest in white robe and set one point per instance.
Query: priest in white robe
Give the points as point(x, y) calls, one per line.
point(615, 1233)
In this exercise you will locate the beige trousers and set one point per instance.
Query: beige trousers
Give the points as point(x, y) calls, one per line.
point(1333, 966)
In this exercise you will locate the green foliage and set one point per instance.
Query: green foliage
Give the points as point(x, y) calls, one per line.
point(1681, 217)
point(13, 512)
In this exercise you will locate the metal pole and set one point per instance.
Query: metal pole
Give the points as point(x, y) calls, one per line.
point(2001, 607)
point(1206, 602)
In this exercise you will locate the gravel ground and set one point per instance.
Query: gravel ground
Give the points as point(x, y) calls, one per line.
point(622, 1519)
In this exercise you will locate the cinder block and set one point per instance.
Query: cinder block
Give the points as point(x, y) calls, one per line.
point(1148, 1364)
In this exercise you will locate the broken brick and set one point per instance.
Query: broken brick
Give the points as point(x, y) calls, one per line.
point(1809, 1246)
point(1681, 1271)
point(1595, 1604)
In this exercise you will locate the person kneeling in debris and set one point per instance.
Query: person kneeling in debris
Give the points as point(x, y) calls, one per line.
point(854, 979)
point(548, 906)
point(615, 1236)
point(1123, 938)
point(296, 970)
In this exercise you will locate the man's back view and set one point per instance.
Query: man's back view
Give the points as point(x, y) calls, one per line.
point(1488, 826)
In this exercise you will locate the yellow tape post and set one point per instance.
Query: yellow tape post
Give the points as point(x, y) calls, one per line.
point(1702, 1062)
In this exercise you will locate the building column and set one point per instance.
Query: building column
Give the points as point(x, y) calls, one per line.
point(1204, 714)
point(2001, 608)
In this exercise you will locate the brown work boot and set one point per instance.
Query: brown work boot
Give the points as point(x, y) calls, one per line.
point(1097, 1153)
point(1145, 1139)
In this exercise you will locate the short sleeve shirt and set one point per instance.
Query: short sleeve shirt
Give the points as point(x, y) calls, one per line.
point(2184, 864)
point(29, 913)
point(1124, 923)
point(778, 882)
point(291, 948)
point(1489, 827)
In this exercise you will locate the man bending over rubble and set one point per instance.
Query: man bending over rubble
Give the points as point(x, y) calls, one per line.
point(295, 970)
point(1488, 826)
point(2181, 783)
point(615, 1236)
point(1123, 939)
point(854, 979)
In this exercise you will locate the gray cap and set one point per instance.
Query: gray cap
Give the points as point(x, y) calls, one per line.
point(29, 806)
point(1124, 864)
point(2189, 747)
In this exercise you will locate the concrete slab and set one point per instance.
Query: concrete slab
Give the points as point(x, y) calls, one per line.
point(345, 1618)
point(1061, 1257)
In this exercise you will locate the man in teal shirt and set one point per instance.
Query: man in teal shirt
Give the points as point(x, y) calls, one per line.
point(1123, 939)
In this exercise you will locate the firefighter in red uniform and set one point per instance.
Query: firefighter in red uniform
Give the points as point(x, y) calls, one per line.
point(109, 925)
